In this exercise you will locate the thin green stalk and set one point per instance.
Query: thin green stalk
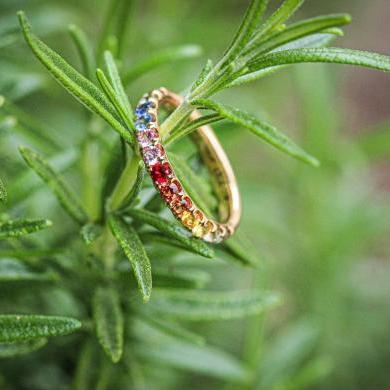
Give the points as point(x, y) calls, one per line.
point(124, 184)
point(91, 177)
point(176, 117)
point(254, 338)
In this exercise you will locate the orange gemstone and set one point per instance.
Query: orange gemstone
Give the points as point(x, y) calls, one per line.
point(209, 226)
point(198, 215)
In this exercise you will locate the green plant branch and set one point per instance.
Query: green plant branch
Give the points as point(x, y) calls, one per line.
point(125, 184)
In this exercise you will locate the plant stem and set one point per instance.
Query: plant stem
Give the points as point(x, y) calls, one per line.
point(176, 117)
point(91, 170)
point(124, 184)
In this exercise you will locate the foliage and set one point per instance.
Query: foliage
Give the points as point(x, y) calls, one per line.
point(91, 270)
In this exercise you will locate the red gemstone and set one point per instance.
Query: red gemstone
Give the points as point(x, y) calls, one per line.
point(160, 173)
point(166, 193)
point(166, 169)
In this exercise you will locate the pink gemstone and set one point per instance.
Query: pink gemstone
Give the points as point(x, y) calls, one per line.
point(147, 136)
point(175, 186)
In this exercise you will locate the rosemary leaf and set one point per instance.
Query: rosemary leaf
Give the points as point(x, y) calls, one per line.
point(132, 246)
point(16, 328)
point(260, 128)
point(108, 317)
point(61, 190)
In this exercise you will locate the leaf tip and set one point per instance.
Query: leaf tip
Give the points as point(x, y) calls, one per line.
point(146, 296)
point(314, 162)
point(23, 20)
point(48, 223)
point(347, 18)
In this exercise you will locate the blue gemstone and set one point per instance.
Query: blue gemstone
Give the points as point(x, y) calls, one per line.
point(140, 126)
point(147, 117)
point(140, 111)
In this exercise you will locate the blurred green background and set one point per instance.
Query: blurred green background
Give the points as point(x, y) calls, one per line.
point(323, 233)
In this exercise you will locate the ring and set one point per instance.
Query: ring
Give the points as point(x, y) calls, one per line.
point(167, 183)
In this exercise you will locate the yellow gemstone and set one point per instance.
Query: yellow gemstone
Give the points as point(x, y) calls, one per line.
point(189, 220)
point(198, 231)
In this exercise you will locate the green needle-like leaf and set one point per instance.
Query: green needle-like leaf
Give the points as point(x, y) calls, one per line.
point(203, 74)
point(116, 83)
point(36, 132)
point(17, 328)
point(313, 40)
point(3, 192)
point(64, 195)
point(20, 227)
point(329, 55)
point(281, 15)
point(195, 305)
point(160, 58)
point(204, 360)
point(299, 30)
point(115, 100)
point(172, 230)
point(192, 126)
point(252, 17)
point(16, 349)
point(86, 370)
point(260, 128)
point(199, 359)
point(241, 249)
point(108, 316)
point(132, 246)
point(173, 330)
point(74, 82)
point(177, 278)
point(137, 186)
point(15, 271)
point(84, 49)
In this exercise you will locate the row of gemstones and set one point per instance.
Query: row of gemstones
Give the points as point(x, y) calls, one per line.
point(162, 173)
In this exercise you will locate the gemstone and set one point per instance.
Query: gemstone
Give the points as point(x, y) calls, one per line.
point(140, 126)
point(145, 117)
point(140, 111)
point(166, 193)
point(147, 136)
point(151, 153)
point(175, 186)
point(143, 107)
point(209, 226)
point(160, 173)
point(198, 215)
point(189, 220)
point(180, 204)
point(220, 233)
point(198, 231)
point(186, 202)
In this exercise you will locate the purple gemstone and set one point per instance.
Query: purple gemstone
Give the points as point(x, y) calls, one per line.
point(150, 154)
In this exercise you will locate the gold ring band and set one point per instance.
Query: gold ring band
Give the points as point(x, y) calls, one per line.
point(167, 183)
